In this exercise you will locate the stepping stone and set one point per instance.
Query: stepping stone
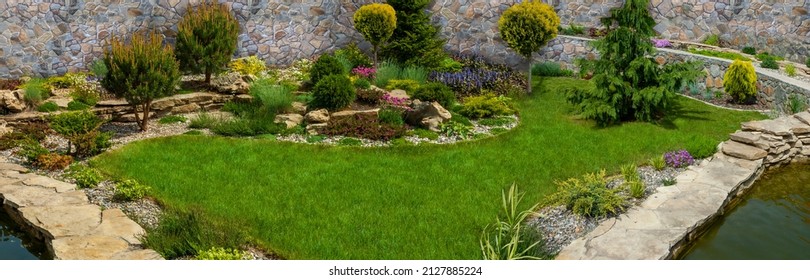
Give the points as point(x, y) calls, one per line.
point(115, 223)
point(746, 137)
point(18, 196)
point(803, 117)
point(91, 247)
point(12, 166)
point(776, 127)
point(57, 185)
point(61, 221)
point(743, 151)
point(145, 254)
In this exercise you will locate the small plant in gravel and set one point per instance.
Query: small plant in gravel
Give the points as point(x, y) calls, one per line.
point(658, 163)
point(508, 238)
point(790, 70)
point(678, 159)
point(588, 196)
point(222, 254)
point(630, 172)
point(85, 176)
point(453, 128)
point(172, 119)
point(130, 190)
point(636, 188)
point(31, 149)
point(53, 161)
point(669, 181)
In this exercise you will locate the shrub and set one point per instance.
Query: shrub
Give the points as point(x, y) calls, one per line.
point(658, 163)
point(274, 97)
point(450, 65)
point(678, 159)
point(86, 93)
point(31, 149)
point(588, 196)
point(629, 84)
point(749, 50)
point(85, 176)
point(35, 92)
point(172, 119)
point(769, 63)
point(362, 83)
point(333, 92)
point(184, 233)
point(77, 106)
point(81, 130)
point(386, 71)
point(790, 70)
point(527, 27)
point(98, 68)
point(363, 126)
point(550, 69)
point(455, 128)
point(326, 65)
point(437, 92)
point(140, 71)
point(34, 131)
point(53, 161)
point(222, 254)
point(406, 85)
point(48, 107)
point(377, 23)
point(130, 190)
point(486, 106)
point(355, 56)
point(250, 65)
point(796, 103)
point(370, 96)
point(712, 40)
point(740, 81)
point(206, 39)
point(415, 40)
point(507, 239)
point(391, 116)
point(68, 80)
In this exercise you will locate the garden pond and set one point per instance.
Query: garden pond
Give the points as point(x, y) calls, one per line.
point(15, 244)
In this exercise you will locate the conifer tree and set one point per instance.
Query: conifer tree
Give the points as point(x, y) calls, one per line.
point(415, 40)
point(206, 39)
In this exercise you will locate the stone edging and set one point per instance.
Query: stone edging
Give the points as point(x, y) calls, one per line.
point(72, 227)
point(668, 221)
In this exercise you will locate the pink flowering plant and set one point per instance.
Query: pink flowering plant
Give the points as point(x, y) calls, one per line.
point(662, 43)
point(364, 72)
point(678, 159)
point(399, 103)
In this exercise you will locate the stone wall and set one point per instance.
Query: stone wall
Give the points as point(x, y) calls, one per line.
point(49, 37)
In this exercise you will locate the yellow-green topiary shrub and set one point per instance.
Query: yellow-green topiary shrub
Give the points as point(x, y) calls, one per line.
point(527, 27)
point(377, 23)
point(740, 81)
point(250, 65)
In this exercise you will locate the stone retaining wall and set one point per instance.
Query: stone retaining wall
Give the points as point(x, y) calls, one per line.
point(49, 37)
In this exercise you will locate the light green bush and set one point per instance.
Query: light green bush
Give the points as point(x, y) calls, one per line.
point(740, 81)
point(130, 190)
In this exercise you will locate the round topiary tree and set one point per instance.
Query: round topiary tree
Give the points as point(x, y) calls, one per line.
point(740, 81)
point(140, 71)
point(206, 39)
point(333, 92)
point(325, 65)
point(527, 27)
point(377, 23)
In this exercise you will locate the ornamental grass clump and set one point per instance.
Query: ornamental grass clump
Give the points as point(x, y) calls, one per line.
point(678, 159)
point(740, 81)
point(588, 196)
point(206, 39)
point(508, 238)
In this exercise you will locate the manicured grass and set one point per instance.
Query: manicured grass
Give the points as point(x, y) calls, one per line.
point(422, 202)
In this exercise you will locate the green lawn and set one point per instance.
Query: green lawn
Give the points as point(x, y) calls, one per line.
point(427, 202)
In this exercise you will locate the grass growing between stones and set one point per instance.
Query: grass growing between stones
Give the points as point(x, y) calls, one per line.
point(404, 202)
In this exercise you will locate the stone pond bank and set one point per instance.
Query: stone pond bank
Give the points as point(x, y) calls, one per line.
point(664, 225)
point(62, 216)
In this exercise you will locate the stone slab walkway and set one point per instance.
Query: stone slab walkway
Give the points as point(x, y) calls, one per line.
point(62, 216)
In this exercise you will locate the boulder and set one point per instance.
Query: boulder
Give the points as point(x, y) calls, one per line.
point(318, 116)
point(291, 120)
point(312, 129)
point(349, 113)
point(12, 100)
point(299, 108)
point(230, 83)
point(4, 129)
point(398, 93)
point(429, 115)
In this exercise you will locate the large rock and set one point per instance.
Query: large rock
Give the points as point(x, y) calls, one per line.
point(351, 113)
point(188, 108)
point(318, 116)
point(743, 151)
point(429, 115)
point(299, 108)
point(312, 129)
point(12, 100)
point(291, 120)
point(230, 83)
point(4, 129)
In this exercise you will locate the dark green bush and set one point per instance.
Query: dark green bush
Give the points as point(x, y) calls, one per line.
point(762, 56)
point(186, 233)
point(391, 116)
point(362, 84)
point(415, 40)
point(77, 106)
point(370, 96)
point(326, 65)
point(769, 63)
point(333, 92)
point(749, 50)
point(437, 92)
point(363, 126)
point(81, 128)
point(206, 39)
point(48, 107)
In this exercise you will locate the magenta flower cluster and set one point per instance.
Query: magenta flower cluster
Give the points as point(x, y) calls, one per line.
point(395, 102)
point(364, 72)
point(662, 43)
point(678, 159)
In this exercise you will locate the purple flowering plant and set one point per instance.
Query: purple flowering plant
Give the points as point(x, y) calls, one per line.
point(662, 43)
point(364, 72)
point(680, 158)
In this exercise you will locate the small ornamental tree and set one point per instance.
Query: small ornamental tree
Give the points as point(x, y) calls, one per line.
point(629, 84)
point(140, 71)
point(377, 23)
point(740, 81)
point(206, 39)
point(527, 27)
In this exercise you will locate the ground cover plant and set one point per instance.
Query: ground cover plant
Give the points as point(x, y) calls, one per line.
point(413, 202)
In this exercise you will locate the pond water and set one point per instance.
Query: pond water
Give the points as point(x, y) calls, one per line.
point(16, 244)
point(772, 223)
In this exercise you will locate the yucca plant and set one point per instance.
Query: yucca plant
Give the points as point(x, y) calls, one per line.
point(140, 71)
point(206, 39)
point(505, 239)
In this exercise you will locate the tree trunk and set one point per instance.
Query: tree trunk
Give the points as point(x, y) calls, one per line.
point(530, 76)
point(208, 78)
point(145, 120)
point(135, 113)
point(376, 65)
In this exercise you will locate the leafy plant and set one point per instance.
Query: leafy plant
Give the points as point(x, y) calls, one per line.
point(130, 190)
point(81, 128)
point(141, 71)
point(54, 161)
point(769, 63)
point(454, 128)
point(385, 72)
point(406, 85)
point(588, 196)
point(326, 65)
point(333, 92)
point(85, 176)
point(377, 23)
point(222, 254)
point(507, 238)
point(527, 27)
point(790, 70)
point(658, 163)
point(48, 107)
point(172, 119)
point(415, 40)
point(486, 106)
point(391, 116)
point(250, 65)
point(206, 39)
point(449, 65)
point(712, 40)
point(188, 232)
point(740, 81)
point(636, 188)
point(77, 106)
point(355, 56)
point(678, 159)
